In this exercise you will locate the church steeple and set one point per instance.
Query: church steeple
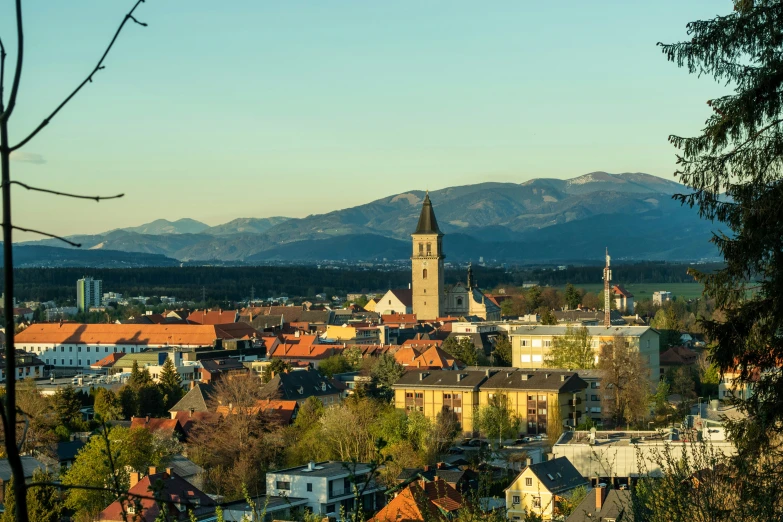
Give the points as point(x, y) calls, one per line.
point(427, 222)
point(471, 284)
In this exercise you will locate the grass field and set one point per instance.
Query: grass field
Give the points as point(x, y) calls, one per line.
point(644, 291)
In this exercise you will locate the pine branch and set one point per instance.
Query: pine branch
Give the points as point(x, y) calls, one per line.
point(65, 194)
point(87, 80)
point(53, 236)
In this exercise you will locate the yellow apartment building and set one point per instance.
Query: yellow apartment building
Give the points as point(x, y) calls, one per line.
point(533, 394)
point(531, 344)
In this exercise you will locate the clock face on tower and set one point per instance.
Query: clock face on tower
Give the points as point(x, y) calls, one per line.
point(425, 263)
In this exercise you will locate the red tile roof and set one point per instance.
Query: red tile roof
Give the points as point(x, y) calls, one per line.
point(213, 317)
point(619, 290)
point(108, 361)
point(435, 358)
point(678, 355)
point(436, 500)
point(175, 490)
point(304, 347)
point(167, 427)
point(399, 319)
point(406, 355)
point(422, 343)
point(284, 410)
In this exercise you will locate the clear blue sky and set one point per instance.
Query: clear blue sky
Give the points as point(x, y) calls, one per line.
point(253, 108)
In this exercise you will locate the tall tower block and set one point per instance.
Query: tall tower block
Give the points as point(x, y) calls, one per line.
point(607, 292)
point(427, 265)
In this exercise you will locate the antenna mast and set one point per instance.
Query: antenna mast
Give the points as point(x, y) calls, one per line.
point(607, 296)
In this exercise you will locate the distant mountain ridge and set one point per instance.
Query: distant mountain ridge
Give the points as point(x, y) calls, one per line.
point(539, 220)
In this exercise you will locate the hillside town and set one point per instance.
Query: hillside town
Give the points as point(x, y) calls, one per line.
point(427, 402)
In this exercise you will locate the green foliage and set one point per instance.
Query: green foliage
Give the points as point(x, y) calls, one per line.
point(533, 298)
point(661, 398)
point(463, 349)
point(547, 316)
point(574, 498)
point(67, 405)
point(354, 356)
point(139, 377)
point(502, 351)
point(333, 365)
point(497, 419)
point(273, 368)
point(130, 450)
point(107, 405)
point(574, 350)
point(170, 384)
point(44, 503)
point(572, 297)
point(384, 374)
point(669, 325)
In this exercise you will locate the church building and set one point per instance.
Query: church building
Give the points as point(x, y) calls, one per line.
point(429, 297)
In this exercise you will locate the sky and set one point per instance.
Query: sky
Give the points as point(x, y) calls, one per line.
point(254, 108)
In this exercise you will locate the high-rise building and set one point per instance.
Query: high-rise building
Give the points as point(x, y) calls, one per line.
point(427, 265)
point(88, 293)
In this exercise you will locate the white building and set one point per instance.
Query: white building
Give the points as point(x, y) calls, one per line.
point(661, 297)
point(88, 293)
point(326, 486)
point(61, 312)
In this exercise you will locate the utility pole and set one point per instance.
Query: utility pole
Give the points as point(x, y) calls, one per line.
point(607, 296)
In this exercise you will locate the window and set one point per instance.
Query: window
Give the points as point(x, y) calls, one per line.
point(70, 348)
point(525, 358)
point(106, 349)
point(421, 249)
point(542, 411)
point(330, 508)
point(547, 344)
point(389, 301)
point(63, 362)
point(531, 397)
point(537, 502)
point(459, 301)
point(528, 482)
point(457, 409)
point(409, 395)
point(286, 486)
point(419, 395)
point(457, 396)
point(88, 349)
point(79, 349)
point(542, 397)
point(429, 248)
point(595, 384)
point(80, 362)
point(531, 411)
point(447, 396)
point(537, 358)
point(309, 486)
point(524, 342)
point(424, 274)
point(515, 499)
point(594, 397)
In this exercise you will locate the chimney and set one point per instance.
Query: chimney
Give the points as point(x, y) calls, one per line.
point(600, 496)
point(170, 472)
point(459, 377)
point(147, 421)
point(528, 461)
point(190, 413)
point(563, 377)
point(153, 470)
point(134, 479)
point(441, 465)
point(426, 468)
point(310, 466)
point(486, 372)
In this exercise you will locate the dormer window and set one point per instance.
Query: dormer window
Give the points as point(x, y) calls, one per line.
point(131, 509)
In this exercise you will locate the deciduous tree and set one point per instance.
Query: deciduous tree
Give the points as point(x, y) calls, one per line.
point(502, 351)
point(497, 419)
point(573, 350)
point(625, 382)
point(463, 349)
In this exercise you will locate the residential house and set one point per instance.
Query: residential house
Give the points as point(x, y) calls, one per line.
point(659, 298)
point(400, 320)
point(166, 428)
point(297, 347)
point(398, 301)
point(187, 470)
point(539, 489)
point(354, 334)
point(433, 358)
point(677, 356)
point(405, 355)
point(181, 498)
point(66, 452)
point(283, 411)
point(592, 394)
point(153, 360)
point(422, 501)
point(213, 317)
point(273, 508)
point(197, 399)
point(531, 344)
point(623, 299)
point(299, 385)
point(604, 505)
point(371, 304)
point(28, 365)
point(213, 370)
point(326, 486)
point(463, 480)
point(29, 465)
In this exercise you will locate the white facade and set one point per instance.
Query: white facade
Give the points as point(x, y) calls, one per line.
point(88, 293)
point(661, 297)
point(391, 304)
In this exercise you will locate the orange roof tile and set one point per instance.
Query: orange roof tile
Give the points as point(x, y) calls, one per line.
point(213, 317)
point(437, 500)
point(166, 426)
point(406, 355)
point(107, 361)
point(435, 358)
point(131, 334)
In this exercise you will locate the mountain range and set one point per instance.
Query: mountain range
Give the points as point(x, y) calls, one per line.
point(538, 221)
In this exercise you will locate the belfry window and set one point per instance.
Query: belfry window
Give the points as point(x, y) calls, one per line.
point(424, 274)
point(429, 248)
point(459, 301)
point(421, 249)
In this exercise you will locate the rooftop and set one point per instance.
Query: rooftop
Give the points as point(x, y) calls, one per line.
point(328, 468)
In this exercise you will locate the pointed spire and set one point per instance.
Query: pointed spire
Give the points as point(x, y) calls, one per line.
point(471, 284)
point(427, 222)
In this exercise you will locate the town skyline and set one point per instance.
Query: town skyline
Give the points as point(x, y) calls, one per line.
point(324, 96)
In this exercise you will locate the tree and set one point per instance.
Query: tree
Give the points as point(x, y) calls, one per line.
point(385, 373)
point(463, 349)
point(502, 351)
point(683, 384)
point(709, 376)
point(574, 350)
point(669, 326)
point(591, 301)
point(533, 298)
point(107, 405)
point(354, 356)
point(547, 316)
point(333, 365)
point(554, 424)
point(67, 406)
point(624, 380)
point(552, 298)
point(139, 377)
point(44, 503)
point(572, 297)
point(170, 384)
point(273, 368)
point(733, 172)
point(497, 419)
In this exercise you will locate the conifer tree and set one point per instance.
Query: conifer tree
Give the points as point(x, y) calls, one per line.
point(170, 383)
point(734, 170)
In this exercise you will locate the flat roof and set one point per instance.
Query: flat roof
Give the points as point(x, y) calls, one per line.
point(626, 331)
point(322, 469)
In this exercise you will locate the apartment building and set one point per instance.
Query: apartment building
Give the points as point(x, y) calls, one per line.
point(88, 293)
point(534, 395)
point(531, 344)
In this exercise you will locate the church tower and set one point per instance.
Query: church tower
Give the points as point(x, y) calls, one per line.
point(427, 265)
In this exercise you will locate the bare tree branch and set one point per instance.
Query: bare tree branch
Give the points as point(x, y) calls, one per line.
point(53, 236)
point(66, 194)
point(24, 432)
point(2, 73)
point(19, 59)
point(87, 80)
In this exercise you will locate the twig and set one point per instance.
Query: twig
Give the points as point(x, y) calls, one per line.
point(24, 432)
point(66, 194)
point(53, 236)
point(2, 73)
point(87, 80)
point(18, 70)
